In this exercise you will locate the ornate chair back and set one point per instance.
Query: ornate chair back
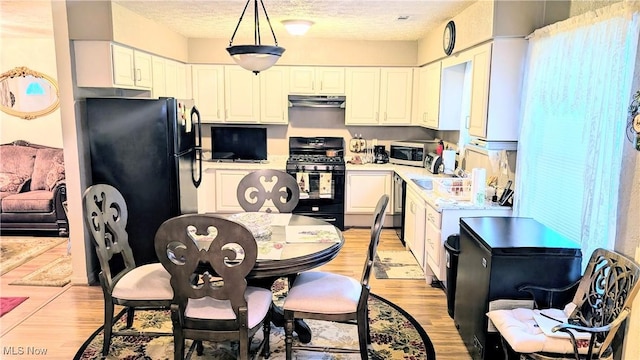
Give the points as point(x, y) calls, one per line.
point(106, 217)
point(134, 287)
point(231, 254)
point(277, 186)
point(376, 229)
point(605, 294)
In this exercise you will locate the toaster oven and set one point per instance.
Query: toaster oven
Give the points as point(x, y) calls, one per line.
point(411, 152)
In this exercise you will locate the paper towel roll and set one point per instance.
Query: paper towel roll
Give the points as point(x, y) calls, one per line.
point(478, 185)
point(449, 161)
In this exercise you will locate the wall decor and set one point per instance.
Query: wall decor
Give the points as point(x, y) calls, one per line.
point(633, 123)
point(27, 93)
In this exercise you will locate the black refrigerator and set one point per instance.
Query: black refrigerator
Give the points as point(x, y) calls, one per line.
point(497, 256)
point(150, 150)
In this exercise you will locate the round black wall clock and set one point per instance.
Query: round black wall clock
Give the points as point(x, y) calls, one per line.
point(449, 37)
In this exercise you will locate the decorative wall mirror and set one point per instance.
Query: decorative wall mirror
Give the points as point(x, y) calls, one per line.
point(28, 94)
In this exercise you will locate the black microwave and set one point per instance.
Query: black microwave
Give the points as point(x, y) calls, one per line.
point(411, 152)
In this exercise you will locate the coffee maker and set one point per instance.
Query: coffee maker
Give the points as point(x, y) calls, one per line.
point(380, 155)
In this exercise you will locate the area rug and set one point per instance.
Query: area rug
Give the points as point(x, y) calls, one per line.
point(56, 273)
point(394, 335)
point(17, 250)
point(9, 303)
point(396, 265)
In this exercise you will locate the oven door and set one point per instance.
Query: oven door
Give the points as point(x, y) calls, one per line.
point(321, 195)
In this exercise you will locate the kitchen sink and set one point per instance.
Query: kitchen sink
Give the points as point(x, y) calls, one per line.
point(425, 184)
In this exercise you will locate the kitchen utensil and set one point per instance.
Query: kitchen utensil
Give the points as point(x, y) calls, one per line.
point(333, 153)
point(505, 193)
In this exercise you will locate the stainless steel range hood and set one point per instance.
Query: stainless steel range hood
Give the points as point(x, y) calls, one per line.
point(317, 101)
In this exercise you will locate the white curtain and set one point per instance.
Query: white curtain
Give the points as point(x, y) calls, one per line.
point(574, 111)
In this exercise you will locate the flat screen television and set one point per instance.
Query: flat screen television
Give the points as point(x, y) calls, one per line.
point(234, 143)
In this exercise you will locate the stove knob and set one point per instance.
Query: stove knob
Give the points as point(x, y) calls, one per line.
point(315, 167)
point(302, 168)
point(329, 168)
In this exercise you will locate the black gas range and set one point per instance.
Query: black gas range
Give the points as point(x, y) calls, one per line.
point(321, 178)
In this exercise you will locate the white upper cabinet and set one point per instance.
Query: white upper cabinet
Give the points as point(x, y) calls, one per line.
point(143, 69)
point(109, 65)
point(429, 95)
point(396, 91)
point(242, 95)
point(274, 88)
point(208, 91)
point(495, 89)
point(159, 77)
point(317, 80)
point(378, 96)
point(170, 79)
point(231, 94)
point(363, 96)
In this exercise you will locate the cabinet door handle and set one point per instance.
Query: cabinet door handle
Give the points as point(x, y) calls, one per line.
point(313, 85)
point(468, 121)
point(138, 74)
point(484, 262)
point(321, 85)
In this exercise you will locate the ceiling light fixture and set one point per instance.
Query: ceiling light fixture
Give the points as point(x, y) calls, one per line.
point(255, 57)
point(297, 27)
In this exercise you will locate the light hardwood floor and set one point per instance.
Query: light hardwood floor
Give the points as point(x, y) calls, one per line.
point(58, 320)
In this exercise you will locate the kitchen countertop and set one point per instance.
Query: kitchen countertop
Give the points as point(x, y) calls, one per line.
point(407, 173)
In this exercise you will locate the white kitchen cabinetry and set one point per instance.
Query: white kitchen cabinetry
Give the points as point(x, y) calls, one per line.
point(378, 96)
point(363, 190)
point(274, 88)
point(109, 65)
point(316, 80)
point(439, 225)
point(207, 192)
point(169, 79)
point(159, 77)
point(414, 226)
point(242, 95)
point(496, 88)
point(226, 183)
point(429, 95)
point(208, 91)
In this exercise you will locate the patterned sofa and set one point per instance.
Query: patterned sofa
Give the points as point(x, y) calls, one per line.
point(32, 189)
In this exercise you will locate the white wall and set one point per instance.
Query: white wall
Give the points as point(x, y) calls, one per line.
point(39, 54)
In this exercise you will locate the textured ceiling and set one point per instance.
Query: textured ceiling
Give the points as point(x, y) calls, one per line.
point(334, 19)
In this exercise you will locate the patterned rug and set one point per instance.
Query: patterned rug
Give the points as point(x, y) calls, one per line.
point(396, 265)
point(394, 335)
point(9, 303)
point(56, 273)
point(17, 250)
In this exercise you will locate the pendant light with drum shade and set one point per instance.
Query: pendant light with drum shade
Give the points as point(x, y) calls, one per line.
point(255, 57)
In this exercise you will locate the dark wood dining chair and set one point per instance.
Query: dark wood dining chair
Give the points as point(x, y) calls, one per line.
point(134, 287)
point(602, 301)
point(261, 185)
point(217, 305)
point(334, 297)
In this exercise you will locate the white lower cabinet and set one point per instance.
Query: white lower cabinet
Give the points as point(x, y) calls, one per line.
point(363, 190)
point(414, 225)
point(226, 183)
point(439, 225)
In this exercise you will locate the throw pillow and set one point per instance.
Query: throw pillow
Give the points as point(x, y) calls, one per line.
point(10, 182)
point(43, 165)
point(56, 173)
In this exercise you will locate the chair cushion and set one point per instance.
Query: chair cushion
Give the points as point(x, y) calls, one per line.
point(258, 304)
point(146, 282)
point(519, 328)
point(324, 293)
point(38, 201)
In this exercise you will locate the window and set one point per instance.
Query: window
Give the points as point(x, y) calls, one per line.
point(575, 99)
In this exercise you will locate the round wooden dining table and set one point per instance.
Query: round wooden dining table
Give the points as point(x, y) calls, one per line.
point(297, 254)
point(291, 244)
